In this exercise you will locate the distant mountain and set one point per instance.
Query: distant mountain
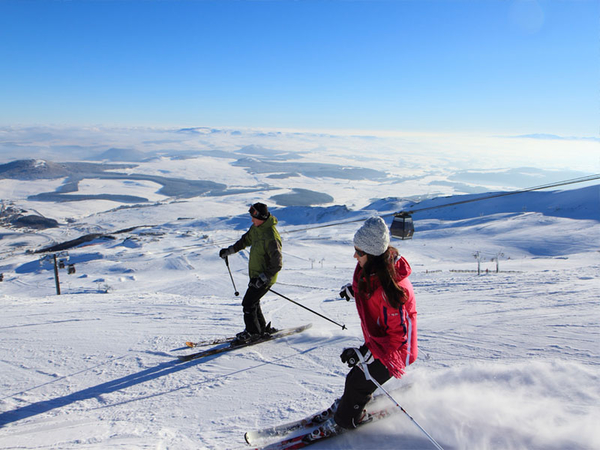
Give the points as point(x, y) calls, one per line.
point(13, 216)
point(123, 155)
point(39, 169)
point(580, 204)
point(33, 169)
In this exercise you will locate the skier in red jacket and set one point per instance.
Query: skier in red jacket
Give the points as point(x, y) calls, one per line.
point(386, 306)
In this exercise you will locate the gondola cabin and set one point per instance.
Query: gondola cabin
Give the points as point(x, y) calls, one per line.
point(402, 226)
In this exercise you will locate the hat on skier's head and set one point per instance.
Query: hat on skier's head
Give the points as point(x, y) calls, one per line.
point(259, 211)
point(373, 237)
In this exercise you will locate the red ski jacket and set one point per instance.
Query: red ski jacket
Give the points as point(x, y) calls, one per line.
point(390, 333)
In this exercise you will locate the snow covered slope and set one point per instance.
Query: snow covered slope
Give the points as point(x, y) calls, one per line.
point(508, 359)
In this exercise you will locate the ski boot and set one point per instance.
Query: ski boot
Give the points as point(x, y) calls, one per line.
point(326, 430)
point(245, 338)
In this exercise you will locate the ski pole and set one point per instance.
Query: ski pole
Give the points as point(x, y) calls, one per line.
point(231, 276)
point(314, 312)
point(363, 366)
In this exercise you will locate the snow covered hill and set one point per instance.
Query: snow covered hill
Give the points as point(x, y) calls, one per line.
point(509, 358)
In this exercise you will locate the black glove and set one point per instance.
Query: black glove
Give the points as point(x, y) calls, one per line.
point(225, 252)
point(350, 357)
point(259, 282)
point(347, 292)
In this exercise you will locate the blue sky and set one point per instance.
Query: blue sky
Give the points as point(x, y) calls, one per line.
point(489, 66)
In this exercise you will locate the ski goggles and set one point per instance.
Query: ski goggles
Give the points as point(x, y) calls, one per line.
point(359, 252)
point(257, 214)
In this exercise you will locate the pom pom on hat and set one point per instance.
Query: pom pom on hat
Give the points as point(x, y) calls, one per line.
point(373, 237)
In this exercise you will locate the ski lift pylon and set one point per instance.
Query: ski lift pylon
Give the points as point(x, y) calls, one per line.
point(402, 226)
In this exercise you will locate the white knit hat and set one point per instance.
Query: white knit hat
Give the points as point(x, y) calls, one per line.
point(373, 237)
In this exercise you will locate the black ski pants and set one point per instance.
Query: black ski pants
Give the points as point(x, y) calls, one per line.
point(357, 393)
point(253, 316)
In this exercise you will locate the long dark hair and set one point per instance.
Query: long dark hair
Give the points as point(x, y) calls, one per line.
point(383, 266)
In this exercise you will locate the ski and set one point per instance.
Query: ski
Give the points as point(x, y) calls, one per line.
point(252, 437)
point(228, 346)
point(215, 341)
point(311, 432)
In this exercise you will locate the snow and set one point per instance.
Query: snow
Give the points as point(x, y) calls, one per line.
point(508, 360)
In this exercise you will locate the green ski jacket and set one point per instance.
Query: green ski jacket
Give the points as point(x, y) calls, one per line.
point(265, 249)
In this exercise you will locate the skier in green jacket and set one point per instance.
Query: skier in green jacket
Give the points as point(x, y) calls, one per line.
point(266, 260)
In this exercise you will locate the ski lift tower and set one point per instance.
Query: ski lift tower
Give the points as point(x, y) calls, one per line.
point(497, 259)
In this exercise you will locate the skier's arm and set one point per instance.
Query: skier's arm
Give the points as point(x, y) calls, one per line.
point(275, 258)
point(239, 245)
point(242, 243)
point(395, 328)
